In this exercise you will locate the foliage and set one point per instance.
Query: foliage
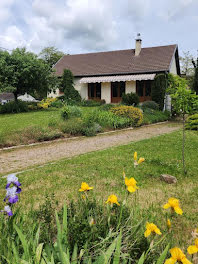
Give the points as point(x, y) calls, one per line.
point(57, 104)
point(150, 104)
point(22, 72)
point(186, 63)
point(130, 99)
point(46, 103)
point(106, 107)
point(195, 80)
point(153, 116)
point(134, 114)
point(74, 126)
point(51, 55)
point(158, 90)
point(90, 103)
point(14, 107)
point(71, 111)
point(67, 86)
point(192, 122)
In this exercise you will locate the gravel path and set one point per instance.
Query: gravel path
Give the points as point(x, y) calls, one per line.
point(24, 157)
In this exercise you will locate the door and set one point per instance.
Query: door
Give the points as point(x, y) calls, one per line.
point(117, 89)
point(94, 91)
point(143, 90)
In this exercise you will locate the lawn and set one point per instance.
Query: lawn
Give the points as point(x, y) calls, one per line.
point(104, 171)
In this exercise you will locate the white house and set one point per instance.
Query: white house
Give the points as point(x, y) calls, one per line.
point(6, 98)
point(27, 98)
point(106, 75)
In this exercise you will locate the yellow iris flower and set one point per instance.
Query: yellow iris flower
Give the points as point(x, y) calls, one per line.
point(136, 161)
point(151, 229)
point(131, 184)
point(173, 203)
point(112, 199)
point(177, 256)
point(194, 248)
point(85, 187)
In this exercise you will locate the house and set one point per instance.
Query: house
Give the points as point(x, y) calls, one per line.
point(106, 75)
point(6, 98)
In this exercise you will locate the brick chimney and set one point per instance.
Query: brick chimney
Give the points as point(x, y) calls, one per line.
point(138, 44)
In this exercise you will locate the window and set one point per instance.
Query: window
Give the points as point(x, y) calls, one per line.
point(140, 88)
point(147, 88)
point(94, 90)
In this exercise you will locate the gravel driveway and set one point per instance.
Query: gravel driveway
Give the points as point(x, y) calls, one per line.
point(24, 157)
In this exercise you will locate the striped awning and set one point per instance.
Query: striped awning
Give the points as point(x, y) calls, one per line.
point(118, 78)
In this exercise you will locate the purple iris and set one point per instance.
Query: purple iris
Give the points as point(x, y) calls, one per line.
point(12, 179)
point(8, 210)
point(11, 195)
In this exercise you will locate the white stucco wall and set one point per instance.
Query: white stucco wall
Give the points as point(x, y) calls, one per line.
point(82, 88)
point(173, 68)
point(106, 92)
point(54, 94)
point(130, 87)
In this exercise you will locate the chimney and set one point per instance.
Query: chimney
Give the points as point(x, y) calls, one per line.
point(138, 44)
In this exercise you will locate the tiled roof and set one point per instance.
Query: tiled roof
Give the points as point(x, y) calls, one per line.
point(154, 59)
point(6, 96)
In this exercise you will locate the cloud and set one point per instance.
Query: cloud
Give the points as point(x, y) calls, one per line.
point(12, 37)
point(5, 12)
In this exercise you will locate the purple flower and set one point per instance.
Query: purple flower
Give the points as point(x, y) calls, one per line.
point(12, 179)
point(11, 195)
point(7, 210)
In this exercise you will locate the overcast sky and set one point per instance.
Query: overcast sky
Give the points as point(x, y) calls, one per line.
point(78, 26)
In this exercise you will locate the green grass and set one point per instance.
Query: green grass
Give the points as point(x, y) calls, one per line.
point(103, 170)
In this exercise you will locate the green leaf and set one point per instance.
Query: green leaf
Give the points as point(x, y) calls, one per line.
point(163, 255)
point(24, 242)
point(38, 252)
point(74, 255)
point(141, 260)
point(116, 259)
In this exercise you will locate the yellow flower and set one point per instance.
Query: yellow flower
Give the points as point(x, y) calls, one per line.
point(112, 199)
point(131, 184)
point(136, 161)
point(177, 256)
point(85, 187)
point(173, 203)
point(168, 223)
point(151, 229)
point(194, 248)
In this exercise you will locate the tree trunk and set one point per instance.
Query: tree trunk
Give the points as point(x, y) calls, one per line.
point(15, 96)
point(183, 146)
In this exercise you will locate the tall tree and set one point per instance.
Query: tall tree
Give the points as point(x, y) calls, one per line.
point(23, 72)
point(51, 55)
point(195, 79)
point(186, 63)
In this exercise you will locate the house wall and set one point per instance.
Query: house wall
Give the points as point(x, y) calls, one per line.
point(82, 88)
point(173, 67)
point(106, 92)
point(130, 87)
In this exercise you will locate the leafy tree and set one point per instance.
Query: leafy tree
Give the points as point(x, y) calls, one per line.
point(184, 102)
point(51, 55)
point(22, 72)
point(186, 63)
point(195, 80)
point(159, 89)
point(67, 86)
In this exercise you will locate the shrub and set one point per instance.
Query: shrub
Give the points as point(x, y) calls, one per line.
point(192, 122)
point(134, 114)
point(14, 107)
point(57, 104)
point(150, 104)
point(33, 106)
point(130, 99)
point(71, 111)
point(46, 103)
point(92, 102)
point(154, 116)
point(158, 90)
point(106, 107)
point(72, 127)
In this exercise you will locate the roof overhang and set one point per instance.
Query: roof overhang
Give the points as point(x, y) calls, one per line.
point(118, 78)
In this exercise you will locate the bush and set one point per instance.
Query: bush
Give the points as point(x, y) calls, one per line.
point(57, 104)
point(130, 99)
point(106, 107)
point(71, 111)
point(192, 122)
point(46, 103)
point(158, 90)
point(153, 116)
point(134, 114)
point(92, 102)
point(72, 127)
point(14, 107)
point(150, 104)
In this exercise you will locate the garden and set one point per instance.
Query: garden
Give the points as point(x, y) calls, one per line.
point(108, 206)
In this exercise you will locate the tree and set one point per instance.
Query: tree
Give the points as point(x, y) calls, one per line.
point(195, 79)
point(186, 63)
point(159, 89)
point(67, 86)
point(23, 72)
point(184, 102)
point(51, 55)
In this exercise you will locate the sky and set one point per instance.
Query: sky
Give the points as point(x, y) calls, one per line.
point(81, 26)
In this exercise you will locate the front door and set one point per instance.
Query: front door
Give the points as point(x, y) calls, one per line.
point(117, 89)
point(143, 90)
point(94, 91)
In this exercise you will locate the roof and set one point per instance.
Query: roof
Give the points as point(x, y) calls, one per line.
point(6, 96)
point(118, 78)
point(150, 60)
point(27, 98)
